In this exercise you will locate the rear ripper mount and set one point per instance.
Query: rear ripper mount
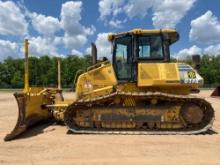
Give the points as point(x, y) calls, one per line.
point(216, 92)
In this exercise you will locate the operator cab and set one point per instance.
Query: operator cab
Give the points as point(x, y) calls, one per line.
point(139, 45)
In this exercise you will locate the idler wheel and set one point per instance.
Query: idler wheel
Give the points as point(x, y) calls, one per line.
point(192, 113)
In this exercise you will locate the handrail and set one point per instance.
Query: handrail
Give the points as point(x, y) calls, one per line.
point(89, 69)
point(77, 75)
point(97, 65)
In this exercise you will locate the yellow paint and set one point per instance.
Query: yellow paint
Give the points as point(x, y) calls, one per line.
point(33, 107)
point(35, 98)
point(163, 77)
point(172, 89)
point(157, 74)
point(171, 32)
point(96, 79)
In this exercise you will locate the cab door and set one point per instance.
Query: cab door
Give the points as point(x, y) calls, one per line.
point(122, 58)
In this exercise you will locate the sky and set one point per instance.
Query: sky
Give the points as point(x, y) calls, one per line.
point(62, 28)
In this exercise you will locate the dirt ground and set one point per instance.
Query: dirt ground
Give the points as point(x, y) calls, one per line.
point(50, 144)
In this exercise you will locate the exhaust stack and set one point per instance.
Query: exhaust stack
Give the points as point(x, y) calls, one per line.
point(94, 53)
point(196, 61)
point(26, 67)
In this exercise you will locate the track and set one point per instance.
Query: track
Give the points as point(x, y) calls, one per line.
point(205, 125)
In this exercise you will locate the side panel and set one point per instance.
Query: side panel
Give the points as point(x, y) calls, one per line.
point(157, 74)
point(94, 82)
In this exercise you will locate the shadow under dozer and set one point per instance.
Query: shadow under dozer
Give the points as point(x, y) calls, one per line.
point(31, 108)
point(216, 92)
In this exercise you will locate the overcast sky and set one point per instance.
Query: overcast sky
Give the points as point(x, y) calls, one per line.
point(59, 27)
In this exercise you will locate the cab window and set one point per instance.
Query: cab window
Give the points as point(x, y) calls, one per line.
point(150, 47)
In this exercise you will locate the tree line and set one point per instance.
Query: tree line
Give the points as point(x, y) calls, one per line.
point(210, 70)
point(43, 71)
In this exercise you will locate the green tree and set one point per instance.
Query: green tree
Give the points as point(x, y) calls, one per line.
point(17, 80)
point(210, 69)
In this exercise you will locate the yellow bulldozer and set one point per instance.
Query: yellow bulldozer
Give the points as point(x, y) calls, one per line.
point(138, 91)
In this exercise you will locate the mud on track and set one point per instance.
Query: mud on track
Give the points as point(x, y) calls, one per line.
point(50, 144)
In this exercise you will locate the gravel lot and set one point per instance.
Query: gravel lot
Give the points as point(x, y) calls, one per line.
point(50, 144)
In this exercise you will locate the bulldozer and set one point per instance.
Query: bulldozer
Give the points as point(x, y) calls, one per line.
point(139, 91)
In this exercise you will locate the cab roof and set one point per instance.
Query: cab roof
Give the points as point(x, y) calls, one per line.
point(172, 34)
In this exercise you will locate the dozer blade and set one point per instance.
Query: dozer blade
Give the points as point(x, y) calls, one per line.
point(30, 112)
point(216, 92)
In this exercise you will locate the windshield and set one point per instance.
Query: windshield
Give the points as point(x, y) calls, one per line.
point(150, 47)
